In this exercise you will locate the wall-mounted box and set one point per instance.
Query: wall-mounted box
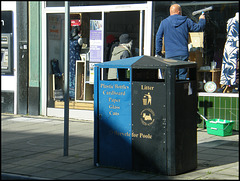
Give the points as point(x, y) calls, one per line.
point(6, 54)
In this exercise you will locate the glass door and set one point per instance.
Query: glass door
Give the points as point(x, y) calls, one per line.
point(117, 23)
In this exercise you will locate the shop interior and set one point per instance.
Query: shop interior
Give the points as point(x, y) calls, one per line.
point(205, 48)
point(115, 24)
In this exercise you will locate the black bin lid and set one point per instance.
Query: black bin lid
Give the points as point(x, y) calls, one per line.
point(146, 62)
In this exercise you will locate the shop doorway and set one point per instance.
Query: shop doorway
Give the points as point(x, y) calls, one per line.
point(117, 23)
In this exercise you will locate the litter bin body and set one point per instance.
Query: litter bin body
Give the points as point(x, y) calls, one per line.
point(154, 125)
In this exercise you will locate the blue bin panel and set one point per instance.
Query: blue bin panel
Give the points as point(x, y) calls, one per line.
point(115, 132)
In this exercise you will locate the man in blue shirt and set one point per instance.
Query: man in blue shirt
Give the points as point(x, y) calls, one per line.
point(175, 30)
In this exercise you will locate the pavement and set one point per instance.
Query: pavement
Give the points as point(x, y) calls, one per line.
point(33, 149)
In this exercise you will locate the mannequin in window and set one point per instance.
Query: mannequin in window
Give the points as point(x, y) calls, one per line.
point(230, 56)
point(75, 46)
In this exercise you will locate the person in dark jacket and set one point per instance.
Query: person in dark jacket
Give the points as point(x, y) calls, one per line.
point(175, 30)
point(123, 50)
point(112, 42)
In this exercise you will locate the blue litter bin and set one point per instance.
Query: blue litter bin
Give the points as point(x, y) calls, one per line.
point(145, 118)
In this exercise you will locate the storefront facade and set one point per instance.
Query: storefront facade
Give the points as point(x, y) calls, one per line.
point(140, 19)
point(115, 19)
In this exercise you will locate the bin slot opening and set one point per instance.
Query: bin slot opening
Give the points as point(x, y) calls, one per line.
point(115, 74)
point(192, 73)
point(148, 75)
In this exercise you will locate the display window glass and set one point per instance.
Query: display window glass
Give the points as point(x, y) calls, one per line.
point(90, 3)
point(205, 48)
point(94, 49)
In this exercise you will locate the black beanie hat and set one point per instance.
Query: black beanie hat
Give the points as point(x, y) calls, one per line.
point(124, 38)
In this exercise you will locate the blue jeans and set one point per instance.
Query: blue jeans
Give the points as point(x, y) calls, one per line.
point(182, 73)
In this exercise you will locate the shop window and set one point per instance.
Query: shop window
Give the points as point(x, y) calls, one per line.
point(55, 3)
point(212, 39)
point(90, 3)
point(93, 3)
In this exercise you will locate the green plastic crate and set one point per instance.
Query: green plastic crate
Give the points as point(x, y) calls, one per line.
point(219, 127)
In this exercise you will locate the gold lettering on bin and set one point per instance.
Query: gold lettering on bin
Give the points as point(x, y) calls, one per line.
point(146, 87)
point(106, 86)
point(146, 136)
point(113, 93)
point(141, 135)
point(113, 113)
point(121, 86)
point(113, 107)
point(134, 135)
point(116, 133)
point(113, 100)
point(116, 86)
